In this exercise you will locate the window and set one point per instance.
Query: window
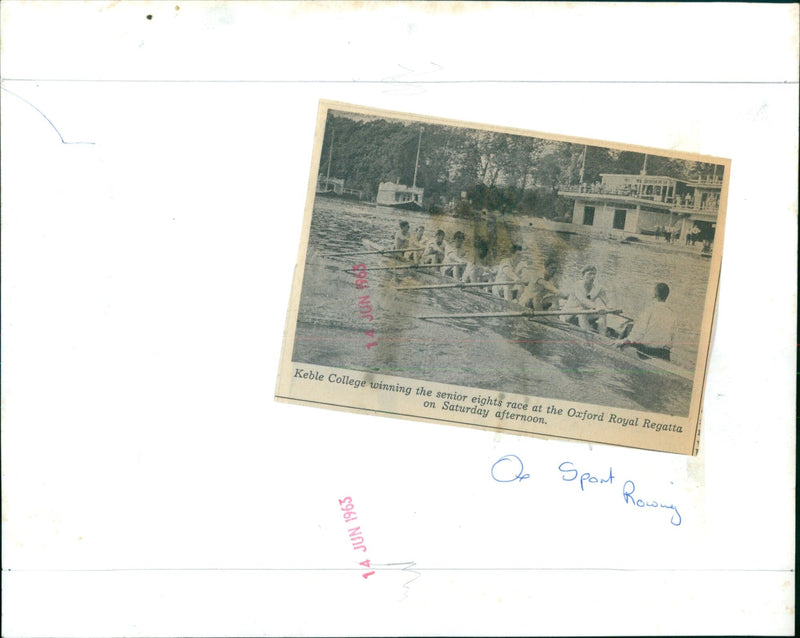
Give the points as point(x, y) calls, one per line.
point(588, 215)
point(619, 218)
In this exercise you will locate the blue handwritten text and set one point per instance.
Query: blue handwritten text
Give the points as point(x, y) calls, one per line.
point(627, 493)
point(508, 469)
point(569, 473)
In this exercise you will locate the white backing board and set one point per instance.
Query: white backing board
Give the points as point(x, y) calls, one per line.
point(154, 180)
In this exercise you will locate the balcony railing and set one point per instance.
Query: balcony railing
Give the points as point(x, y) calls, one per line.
point(597, 188)
point(707, 181)
point(624, 191)
point(682, 202)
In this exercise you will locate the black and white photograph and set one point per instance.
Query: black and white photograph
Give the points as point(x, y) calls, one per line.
point(554, 269)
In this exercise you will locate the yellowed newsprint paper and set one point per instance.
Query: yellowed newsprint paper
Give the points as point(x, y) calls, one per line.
point(486, 277)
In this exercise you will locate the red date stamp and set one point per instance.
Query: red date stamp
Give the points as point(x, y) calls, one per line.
point(364, 303)
point(355, 534)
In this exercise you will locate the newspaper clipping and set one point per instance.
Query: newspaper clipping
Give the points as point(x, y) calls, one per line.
point(507, 280)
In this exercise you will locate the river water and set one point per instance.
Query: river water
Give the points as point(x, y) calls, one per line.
point(509, 355)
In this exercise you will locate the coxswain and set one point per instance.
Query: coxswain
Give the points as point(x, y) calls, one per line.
point(653, 331)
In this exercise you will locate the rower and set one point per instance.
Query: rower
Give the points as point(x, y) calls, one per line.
point(507, 279)
point(402, 237)
point(456, 254)
point(417, 244)
point(543, 294)
point(527, 274)
point(587, 295)
point(434, 251)
point(654, 331)
point(478, 269)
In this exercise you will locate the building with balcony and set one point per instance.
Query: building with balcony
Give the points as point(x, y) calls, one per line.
point(641, 204)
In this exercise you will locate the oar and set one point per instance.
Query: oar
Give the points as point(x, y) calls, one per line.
point(485, 284)
point(373, 252)
point(370, 269)
point(523, 313)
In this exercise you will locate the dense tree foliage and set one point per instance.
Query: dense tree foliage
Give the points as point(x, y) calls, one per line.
point(489, 170)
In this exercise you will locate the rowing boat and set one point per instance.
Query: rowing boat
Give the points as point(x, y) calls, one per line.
point(550, 321)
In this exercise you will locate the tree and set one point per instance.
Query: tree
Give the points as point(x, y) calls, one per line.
point(498, 170)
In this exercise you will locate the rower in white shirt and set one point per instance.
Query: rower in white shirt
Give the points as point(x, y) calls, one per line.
point(456, 257)
point(402, 237)
point(416, 244)
point(586, 294)
point(507, 281)
point(478, 269)
point(434, 252)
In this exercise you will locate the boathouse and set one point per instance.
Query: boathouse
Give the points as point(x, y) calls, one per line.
point(639, 204)
point(391, 194)
point(330, 185)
